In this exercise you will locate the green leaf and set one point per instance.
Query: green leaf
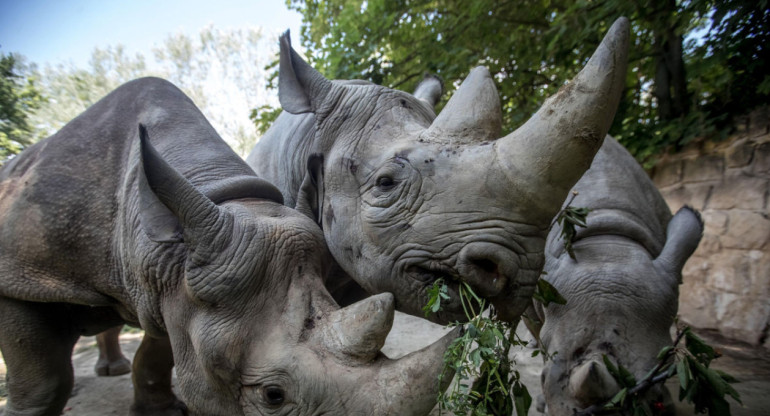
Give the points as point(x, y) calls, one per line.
point(683, 372)
point(546, 294)
point(617, 399)
point(664, 351)
point(521, 399)
point(698, 347)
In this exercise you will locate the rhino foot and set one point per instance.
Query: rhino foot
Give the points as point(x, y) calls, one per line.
point(106, 368)
point(176, 408)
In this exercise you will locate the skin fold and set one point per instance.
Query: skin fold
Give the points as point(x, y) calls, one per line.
point(405, 197)
point(622, 288)
point(138, 213)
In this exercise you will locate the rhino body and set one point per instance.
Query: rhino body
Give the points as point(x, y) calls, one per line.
point(622, 288)
point(165, 228)
point(406, 198)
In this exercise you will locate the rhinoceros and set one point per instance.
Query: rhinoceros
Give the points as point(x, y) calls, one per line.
point(406, 198)
point(622, 287)
point(98, 228)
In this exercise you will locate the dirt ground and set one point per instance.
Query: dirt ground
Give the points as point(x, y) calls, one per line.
point(100, 396)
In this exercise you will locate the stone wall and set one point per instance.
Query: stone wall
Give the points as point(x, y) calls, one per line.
point(726, 284)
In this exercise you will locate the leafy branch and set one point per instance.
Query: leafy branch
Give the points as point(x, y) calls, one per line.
point(569, 218)
point(700, 385)
point(486, 382)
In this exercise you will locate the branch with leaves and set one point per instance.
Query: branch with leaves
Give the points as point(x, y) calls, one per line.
point(699, 384)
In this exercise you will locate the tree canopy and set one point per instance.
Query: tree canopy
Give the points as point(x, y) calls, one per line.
point(694, 64)
point(19, 95)
point(221, 70)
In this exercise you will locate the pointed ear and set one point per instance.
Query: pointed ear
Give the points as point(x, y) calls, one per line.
point(158, 222)
point(300, 87)
point(683, 235)
point(170, 206)
point(311, 192)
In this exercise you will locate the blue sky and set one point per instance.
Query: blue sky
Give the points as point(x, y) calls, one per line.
point(59, 31)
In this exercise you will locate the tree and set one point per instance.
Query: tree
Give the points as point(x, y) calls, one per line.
point(19, 95)
point(221, 71)
point(682, 53)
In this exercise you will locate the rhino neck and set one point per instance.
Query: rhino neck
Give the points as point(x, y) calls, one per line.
point(623, 201)
point(281, 154)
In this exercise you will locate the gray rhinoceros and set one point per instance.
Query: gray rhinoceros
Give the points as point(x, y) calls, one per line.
point(622, 288)
point(405, 198)
point(97, 228)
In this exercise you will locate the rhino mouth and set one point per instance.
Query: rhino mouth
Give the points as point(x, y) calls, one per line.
point(426, 275)
point(429, 275)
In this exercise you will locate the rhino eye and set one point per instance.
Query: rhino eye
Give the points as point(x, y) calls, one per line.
point(385, 183)
point(273, 395)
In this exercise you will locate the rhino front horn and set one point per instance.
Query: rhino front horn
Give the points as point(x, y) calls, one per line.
point(553, 149)
point(591, 383)
point(409, 385)
point(359, 330)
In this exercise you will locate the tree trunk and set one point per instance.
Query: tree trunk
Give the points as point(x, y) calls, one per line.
point(670, 80)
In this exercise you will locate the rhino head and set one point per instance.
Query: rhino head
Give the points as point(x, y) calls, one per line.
point(252, 327)
point(405, 198)
point(621, 303)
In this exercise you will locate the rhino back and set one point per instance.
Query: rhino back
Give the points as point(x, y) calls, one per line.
point(622, 199)
point(60, 199)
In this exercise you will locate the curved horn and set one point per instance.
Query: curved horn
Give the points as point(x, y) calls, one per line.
point(410, 385)
point(591, 382)
point(300, 87)
point(553, 149)
point(358, 331)
point(473, 112)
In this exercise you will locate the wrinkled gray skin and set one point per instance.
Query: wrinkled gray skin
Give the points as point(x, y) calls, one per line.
point(98, 228)
point(622, 291)
point(405, 197)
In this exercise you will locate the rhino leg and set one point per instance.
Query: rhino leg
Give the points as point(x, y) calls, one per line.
point(111, 360)
point(36, 340)
point(153, 364)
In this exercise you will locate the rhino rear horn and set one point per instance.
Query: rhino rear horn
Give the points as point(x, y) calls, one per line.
point(683, 235)
point(473, 113)
point(300, 87)
point(171, 207)
point(553, 149)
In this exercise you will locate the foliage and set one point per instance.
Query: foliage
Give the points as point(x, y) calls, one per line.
point(220, 70)
point(689, 59)
point(700, 385)
point(19, 95)
point(485, 382)
point(569, 218)
point(263, 117)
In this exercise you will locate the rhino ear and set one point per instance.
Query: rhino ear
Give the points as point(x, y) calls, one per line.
point(170, 206)
point(683, 235)
point(311, 192)
point(300, 87)
point(158, 222)
point(430, 90)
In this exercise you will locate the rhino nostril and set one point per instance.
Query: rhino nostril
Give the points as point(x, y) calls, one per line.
point(486, 265)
